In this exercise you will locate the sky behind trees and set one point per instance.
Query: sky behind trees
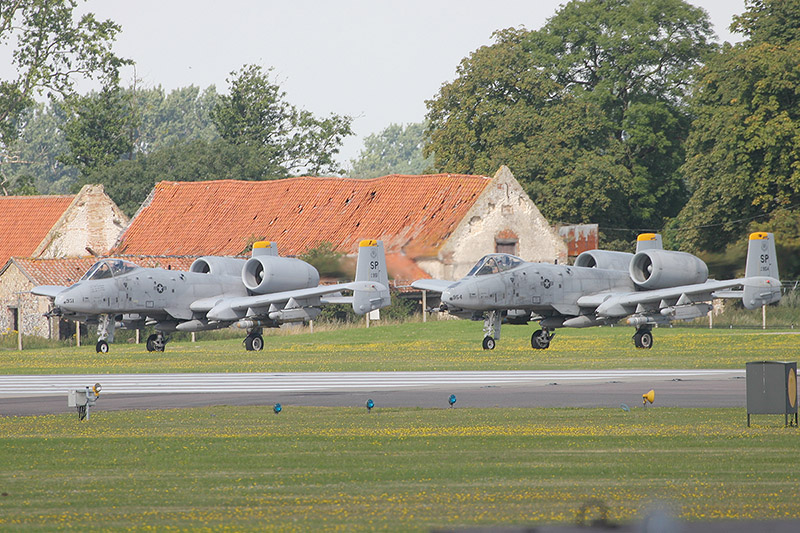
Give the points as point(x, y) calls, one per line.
point(377, 61)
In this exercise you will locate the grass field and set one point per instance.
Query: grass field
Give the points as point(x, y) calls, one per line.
point(413, 469)
point(396, 469)
point(436, 345)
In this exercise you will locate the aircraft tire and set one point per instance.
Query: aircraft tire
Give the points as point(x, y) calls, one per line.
point(257, 343)
point(488, 343)
point(151, 343)
point(540, 340)
point(248, 343)
point(101, 347)
point(646, 340)
point(637, 339)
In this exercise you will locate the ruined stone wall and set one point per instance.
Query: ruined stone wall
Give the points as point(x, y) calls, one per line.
point(92, 220)
point(33, 307)
point(503, 212)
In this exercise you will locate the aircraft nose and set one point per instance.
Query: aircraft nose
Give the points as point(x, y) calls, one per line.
point(453, 295)
point(64, 299)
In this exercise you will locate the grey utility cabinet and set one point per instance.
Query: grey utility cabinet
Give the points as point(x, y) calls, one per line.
point(772, 389)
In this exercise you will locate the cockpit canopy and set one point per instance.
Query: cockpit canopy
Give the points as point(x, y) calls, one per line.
point(494, 263)
point(108, 268)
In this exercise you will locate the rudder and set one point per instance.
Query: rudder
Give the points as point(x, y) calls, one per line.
point(371, 267)
point(762, 283)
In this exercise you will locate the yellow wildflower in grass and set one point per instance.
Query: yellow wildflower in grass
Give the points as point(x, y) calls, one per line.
point(410, 469)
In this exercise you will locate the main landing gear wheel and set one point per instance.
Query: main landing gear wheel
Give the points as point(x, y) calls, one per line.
point(488, 343)
point(540, 340)
point(643, 339)
point(254, 343)
point(101, 347)
point(155, 343)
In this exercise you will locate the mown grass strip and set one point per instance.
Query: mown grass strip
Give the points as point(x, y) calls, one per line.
point(437, 345)
point(392, 469)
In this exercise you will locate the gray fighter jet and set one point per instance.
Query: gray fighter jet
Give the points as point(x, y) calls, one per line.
point(653, 286)
point(263, 291)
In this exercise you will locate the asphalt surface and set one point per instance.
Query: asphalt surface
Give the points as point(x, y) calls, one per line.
point(38, 395)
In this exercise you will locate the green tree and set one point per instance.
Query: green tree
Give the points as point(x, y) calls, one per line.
point(34, 155)
point(587, 112)
point(769, 21)
point(292, 141)
point(128, 182)
point(181, 116)
point(395, 150)
point(51, 48)
point(99, 129)
point(325, 259)
point(743, 153)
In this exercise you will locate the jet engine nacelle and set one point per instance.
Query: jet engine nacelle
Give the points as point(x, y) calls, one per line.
point(218, 266)
point(265, 274)
point(659, 269)
point(604, 259)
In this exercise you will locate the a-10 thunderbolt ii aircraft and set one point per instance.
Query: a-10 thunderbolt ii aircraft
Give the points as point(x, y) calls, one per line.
point(653, 286)
point(263, 291)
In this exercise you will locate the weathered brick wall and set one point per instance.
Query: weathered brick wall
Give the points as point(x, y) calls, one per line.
point(33, 307)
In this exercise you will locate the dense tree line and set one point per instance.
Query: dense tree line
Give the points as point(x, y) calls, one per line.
point(625, 113)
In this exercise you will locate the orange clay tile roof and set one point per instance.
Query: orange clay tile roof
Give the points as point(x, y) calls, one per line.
point(25, 221)
point(67, 271)
point(411, 214)
point(403, 269)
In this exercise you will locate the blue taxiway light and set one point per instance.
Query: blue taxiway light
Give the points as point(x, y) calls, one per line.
point(452, 400)
point(277, 408)
point(370, 405)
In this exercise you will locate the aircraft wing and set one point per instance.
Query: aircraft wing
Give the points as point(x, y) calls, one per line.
point(436, 285)
point(225, 309)
point(51, 291)
point(610, 304)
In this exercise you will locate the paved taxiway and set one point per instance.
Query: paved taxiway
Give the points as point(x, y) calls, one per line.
point(33, 395)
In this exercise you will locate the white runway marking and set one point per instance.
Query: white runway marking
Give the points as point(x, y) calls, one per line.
point(26, 385)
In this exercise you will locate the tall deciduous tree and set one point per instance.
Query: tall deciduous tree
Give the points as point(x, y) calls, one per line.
point(395, 150)
point(743, 154)
point(100, 129)
point(51, 48)
point(33, 157)
point(292, 141)
point(588, 111)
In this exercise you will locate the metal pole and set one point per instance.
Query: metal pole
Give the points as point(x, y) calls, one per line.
point(194, 337)
point(19, 328)
point(311, 326)
point(763, 317)
point(424, 305)
point(138, 331)
point(77, 333)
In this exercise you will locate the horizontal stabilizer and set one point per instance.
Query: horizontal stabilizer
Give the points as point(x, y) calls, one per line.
point(760, 290)
point(348, 300)
point(436, 285)
point(729, 294)
point(51, 291)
